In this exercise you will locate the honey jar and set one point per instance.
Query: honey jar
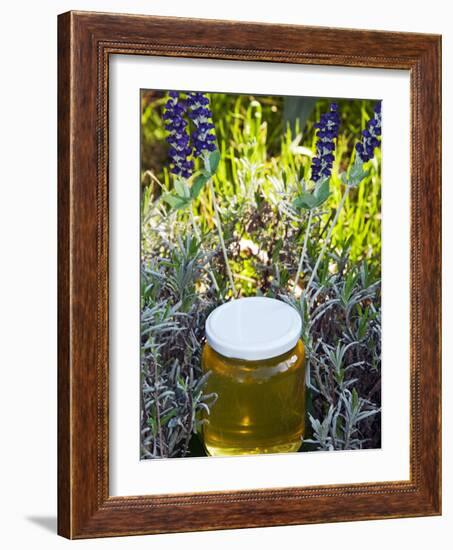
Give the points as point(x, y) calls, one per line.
point(256, 361)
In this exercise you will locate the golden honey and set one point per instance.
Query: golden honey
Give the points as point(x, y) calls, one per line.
point(260, 406)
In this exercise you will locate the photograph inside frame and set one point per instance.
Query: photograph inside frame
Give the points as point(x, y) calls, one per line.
point(260, 274)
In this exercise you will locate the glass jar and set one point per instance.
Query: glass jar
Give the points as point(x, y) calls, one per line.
point(256, 362)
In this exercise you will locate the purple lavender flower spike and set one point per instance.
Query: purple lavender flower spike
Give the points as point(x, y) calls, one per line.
point(180, 149)
point(370, 136)
point(327, 126)
point(203, 139)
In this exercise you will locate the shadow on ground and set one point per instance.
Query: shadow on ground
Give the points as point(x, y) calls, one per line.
point(49, 523)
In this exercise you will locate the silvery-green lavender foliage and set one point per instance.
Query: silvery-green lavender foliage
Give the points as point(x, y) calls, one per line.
point(184, 277)
point(342, 334)
point(172, 333)
point(344, 317)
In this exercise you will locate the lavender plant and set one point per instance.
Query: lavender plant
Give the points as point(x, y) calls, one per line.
point(321, 169)
point(344, 407)
point(328, 127)
point(180, 150)
point(201, 115)
point(201, 142)
point(293, 228)
point(204, 142)
point(172, 321)
point(356, 175)
point(370, 136)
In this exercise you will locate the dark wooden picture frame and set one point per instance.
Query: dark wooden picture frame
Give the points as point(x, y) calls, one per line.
point(85, 42)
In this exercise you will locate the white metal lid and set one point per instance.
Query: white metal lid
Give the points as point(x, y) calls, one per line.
point(253, 328)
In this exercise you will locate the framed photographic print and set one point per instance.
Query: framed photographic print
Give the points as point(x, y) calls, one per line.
point(249, 275)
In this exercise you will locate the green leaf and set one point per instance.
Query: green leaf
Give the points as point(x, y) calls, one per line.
point(182, 189)
point(305, 200)
point(175, 201)
point(275, 253)
point(355, 399)
point(314, 199)
point(198, 184)
point(339, 376)
point(179, 188)
point(152, 424)
point(356, 173)
point(181, 383)
point(213, 162)
point(349, 285)
point(167, 417)
point(322, 192)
